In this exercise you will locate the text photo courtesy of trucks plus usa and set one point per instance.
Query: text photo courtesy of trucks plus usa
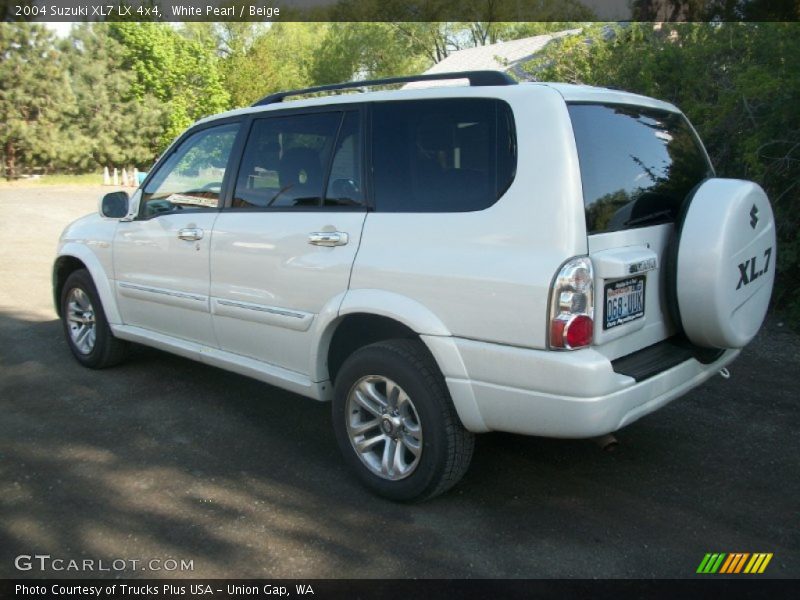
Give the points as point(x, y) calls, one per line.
point(167, 590)
point(291, 304)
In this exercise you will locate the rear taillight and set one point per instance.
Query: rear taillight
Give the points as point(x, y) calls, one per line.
point(572, 305)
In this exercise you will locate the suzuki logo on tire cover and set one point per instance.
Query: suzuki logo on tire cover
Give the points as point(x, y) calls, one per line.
point(748, 275)
point(754, 216)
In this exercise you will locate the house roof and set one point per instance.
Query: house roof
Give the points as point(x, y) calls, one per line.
point(502, 56)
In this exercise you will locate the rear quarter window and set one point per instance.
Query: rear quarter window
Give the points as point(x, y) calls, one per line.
point(449, 155)
point(637, 164)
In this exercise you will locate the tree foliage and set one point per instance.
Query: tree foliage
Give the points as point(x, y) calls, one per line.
point(280, 58)
point(182, 72)
point(366, 50)
point(107, 126)
point(34, 92)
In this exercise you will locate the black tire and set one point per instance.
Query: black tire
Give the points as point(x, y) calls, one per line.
point(107, 350)
point(446, 447)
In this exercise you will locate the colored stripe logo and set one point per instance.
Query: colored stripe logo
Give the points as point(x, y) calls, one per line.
point(734, 563)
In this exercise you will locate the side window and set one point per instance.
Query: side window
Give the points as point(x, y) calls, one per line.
point(191, 178)
point(301, 161)
point(453, 155)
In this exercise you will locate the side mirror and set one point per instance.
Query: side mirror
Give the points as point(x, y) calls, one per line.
point(114, 205)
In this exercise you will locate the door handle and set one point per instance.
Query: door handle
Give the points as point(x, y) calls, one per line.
point(191, 234)
point(328, 238)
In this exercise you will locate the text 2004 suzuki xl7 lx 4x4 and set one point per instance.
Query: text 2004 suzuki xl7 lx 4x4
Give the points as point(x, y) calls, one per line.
point(545, 259)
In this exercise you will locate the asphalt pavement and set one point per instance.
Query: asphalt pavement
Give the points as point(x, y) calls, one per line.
point(166, 459)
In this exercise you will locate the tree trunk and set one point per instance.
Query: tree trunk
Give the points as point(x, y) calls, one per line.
point(11, 155)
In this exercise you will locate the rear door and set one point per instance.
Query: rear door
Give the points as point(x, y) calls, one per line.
point(283, 248)
point(638, 165)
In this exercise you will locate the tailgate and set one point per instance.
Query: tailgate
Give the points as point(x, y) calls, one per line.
point(638, 165)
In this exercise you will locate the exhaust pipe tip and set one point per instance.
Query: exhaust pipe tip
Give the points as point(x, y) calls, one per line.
point(724, 373)
point(607, 443)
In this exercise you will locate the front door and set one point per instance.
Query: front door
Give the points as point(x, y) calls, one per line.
point(161, 259)
point(283, 249)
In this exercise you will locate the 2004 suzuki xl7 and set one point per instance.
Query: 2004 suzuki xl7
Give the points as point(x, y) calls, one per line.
point(545, 259)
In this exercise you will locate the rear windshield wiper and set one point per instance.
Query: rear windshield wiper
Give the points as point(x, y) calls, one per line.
point(656, 216)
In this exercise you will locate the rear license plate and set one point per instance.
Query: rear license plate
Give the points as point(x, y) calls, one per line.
point(624, 301)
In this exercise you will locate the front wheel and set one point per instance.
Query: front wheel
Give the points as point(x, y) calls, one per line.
point(85, 326)
point(395, 422)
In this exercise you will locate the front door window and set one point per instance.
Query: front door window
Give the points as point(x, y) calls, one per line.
point(192, 176)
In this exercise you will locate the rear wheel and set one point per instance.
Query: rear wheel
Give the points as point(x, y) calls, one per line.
point(395, 422)
point(85, 326)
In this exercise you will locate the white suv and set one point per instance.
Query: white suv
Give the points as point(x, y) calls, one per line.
point(544, 259)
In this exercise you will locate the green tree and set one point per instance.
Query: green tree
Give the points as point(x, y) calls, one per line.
point(182, 72)
point(280, 58)
point(365, 50)
point(230, 38)
point(107, 126)
point(33, 97)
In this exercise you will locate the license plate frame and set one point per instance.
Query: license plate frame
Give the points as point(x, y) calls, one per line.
point(630, 290)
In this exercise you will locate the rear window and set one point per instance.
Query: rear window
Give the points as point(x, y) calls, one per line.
point(452, 155)
point(637, 164)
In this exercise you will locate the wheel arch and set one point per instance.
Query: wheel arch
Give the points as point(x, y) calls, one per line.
point(76, 256)
point(63, 267)
point(391, 314)
point(356, 330)
point(368, 316)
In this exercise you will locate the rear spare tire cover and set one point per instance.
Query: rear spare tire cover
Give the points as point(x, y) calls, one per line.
point(724, 266)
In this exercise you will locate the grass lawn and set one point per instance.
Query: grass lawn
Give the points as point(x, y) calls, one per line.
point(85, 179)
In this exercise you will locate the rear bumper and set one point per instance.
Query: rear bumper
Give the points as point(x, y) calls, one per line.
point(555, 394)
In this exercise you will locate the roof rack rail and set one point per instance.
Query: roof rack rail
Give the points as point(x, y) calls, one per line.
point(476, 78)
